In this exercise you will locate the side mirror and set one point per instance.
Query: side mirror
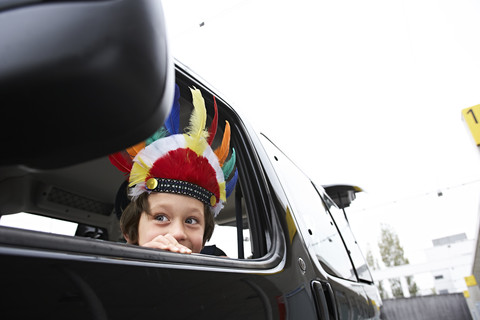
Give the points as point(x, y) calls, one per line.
point(81, 79)
point(342, 194)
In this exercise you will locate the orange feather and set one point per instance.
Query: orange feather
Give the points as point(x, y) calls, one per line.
point(222, 151)
point(133, 150)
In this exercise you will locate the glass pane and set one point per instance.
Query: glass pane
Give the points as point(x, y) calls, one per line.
point(316, 225)
point(350, 242)
point(34, 222)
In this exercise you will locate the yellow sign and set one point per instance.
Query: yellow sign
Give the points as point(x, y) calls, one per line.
point(470, 281)
point(466, 294)
point(472, 117)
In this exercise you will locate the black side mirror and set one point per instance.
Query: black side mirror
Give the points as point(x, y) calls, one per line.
point(81, 79)
point(341, 194)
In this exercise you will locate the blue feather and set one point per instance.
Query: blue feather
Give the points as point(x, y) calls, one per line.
point(173, 121)
point(231, 184)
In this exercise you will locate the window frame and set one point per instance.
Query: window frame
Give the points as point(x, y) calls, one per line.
point(266, 231)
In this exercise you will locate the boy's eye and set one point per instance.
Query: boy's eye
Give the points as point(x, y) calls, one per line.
point(161, 217)
point(191, 221)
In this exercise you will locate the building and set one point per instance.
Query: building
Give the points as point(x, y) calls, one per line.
point(450, 278)
point(448, 262)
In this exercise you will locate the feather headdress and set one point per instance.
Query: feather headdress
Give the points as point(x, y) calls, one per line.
point(173, 162)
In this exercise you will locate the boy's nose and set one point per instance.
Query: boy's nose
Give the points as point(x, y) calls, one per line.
point(178, 231)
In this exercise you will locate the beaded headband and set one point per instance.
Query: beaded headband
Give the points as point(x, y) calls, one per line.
point(181, 187)
point(182, 163)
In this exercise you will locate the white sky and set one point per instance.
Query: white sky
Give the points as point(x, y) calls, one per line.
point(359, 92)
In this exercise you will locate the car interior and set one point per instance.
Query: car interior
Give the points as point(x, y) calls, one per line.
point(87, 193)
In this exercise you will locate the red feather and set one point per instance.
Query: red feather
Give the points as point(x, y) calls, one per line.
point(213, 126)
point(186, 165)
point(122, 160)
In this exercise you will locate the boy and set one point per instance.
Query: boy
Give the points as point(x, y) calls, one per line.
point(177, 183)
point(168, 221)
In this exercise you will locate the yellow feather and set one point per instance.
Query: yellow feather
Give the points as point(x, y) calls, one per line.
point(196, 144)
point(198, 118)
point(196, 134)
point(223, 193)
point(138, 173)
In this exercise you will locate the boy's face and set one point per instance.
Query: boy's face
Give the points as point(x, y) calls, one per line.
point(179, 216)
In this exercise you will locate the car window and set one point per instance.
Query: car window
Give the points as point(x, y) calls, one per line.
point(316, 225)
point(88, 186)
point(30, 221)
point(36, 222)
point(352, 245)
point(227, 239)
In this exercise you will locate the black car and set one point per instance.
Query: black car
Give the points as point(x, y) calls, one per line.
point(80, 80)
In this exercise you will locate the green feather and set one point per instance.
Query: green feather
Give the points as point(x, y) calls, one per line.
point(160, 133)
point(229, 165)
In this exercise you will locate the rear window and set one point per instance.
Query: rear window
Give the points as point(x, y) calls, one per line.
point(28, 221)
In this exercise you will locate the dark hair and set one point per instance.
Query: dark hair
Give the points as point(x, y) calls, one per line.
point(121, 199)
point(132, 213)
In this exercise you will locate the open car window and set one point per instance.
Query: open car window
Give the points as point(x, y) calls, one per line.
point(83, 197)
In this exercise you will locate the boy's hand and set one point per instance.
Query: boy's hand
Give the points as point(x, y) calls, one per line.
point(167, 242)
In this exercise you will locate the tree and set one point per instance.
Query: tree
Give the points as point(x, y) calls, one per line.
point(373, 264)
point(390, 249)
point(393, 255)
point(412, 287)
point(370, 260)
point(381, 290)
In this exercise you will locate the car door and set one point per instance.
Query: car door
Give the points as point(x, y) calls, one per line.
point(75, 277)
point(338, 292)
